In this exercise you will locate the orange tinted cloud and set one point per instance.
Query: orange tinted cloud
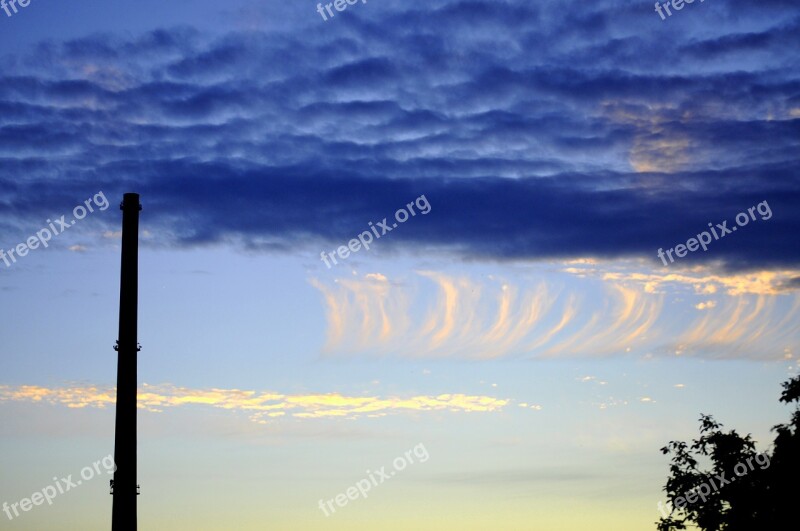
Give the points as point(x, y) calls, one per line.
point(260, 405)
point(584, 308)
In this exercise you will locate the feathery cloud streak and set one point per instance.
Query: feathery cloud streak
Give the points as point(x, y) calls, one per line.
point(587, 309)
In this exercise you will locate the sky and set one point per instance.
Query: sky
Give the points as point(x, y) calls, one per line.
point(500, 251)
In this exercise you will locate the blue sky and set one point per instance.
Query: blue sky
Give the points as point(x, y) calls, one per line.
point(524, 329)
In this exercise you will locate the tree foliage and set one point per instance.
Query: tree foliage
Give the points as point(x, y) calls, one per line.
point(720, 482)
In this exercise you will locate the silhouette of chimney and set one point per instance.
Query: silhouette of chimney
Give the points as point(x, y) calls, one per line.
point(123, 487)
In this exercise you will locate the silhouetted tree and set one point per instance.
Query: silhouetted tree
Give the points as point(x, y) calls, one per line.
point(738, 489)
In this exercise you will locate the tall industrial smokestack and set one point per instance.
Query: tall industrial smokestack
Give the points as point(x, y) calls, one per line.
point(123, 487)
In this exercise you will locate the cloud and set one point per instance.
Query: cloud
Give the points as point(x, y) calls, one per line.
point(702, 280)
point(260, 406)
point(584, 309)
point(587, 148)
point(706, 305)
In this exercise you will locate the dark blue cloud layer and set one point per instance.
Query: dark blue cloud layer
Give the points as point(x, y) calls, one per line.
point(536, 131)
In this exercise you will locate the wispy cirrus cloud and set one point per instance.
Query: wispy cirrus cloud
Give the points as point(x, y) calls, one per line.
point(582, 308)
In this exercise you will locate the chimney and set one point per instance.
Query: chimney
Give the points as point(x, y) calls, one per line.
point(123, 487)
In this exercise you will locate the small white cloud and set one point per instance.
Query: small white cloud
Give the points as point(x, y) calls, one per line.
point(115, 235)
point(592, 379)
point(708, 288)
point(77, 249)
point(679, 386)
point(706, 305)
